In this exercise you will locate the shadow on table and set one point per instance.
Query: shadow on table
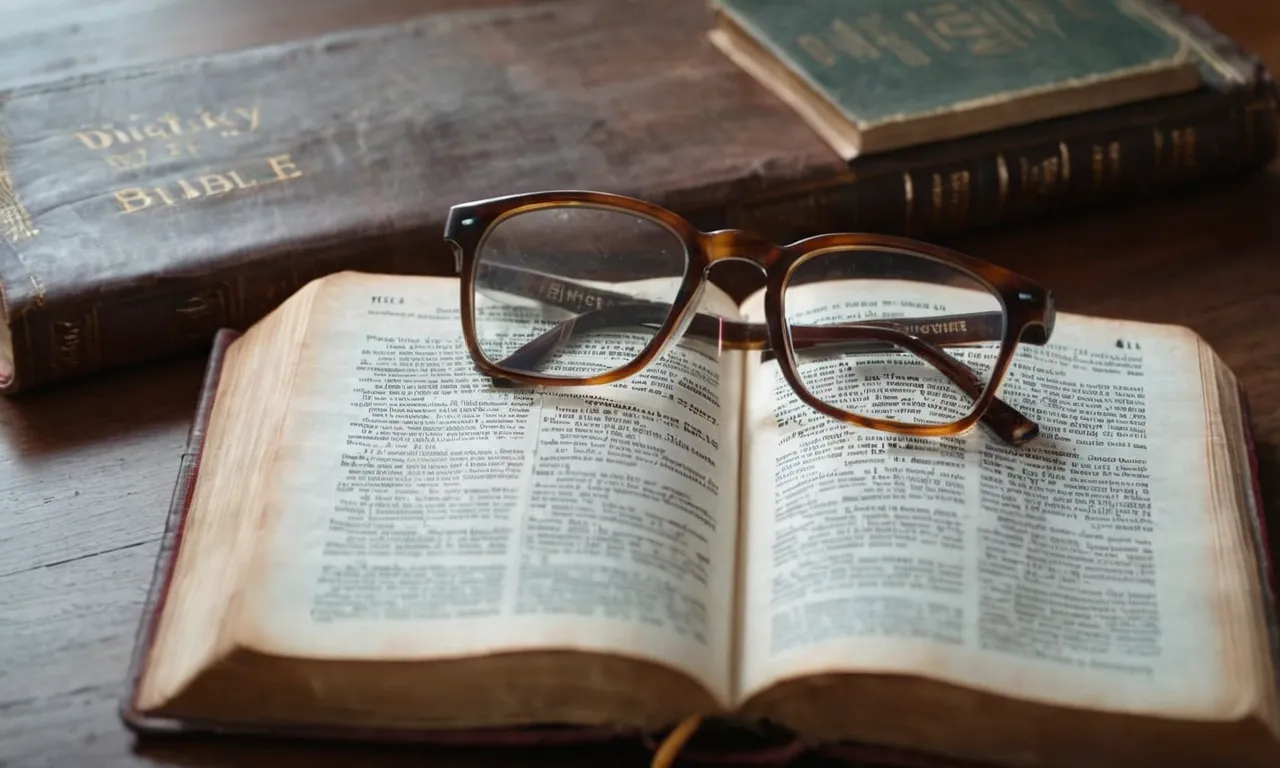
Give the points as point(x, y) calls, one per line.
point(206, 752)
point(108, 406)
point(1268, 455)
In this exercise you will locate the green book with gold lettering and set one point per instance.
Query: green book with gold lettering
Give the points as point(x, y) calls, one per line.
point(877, 75)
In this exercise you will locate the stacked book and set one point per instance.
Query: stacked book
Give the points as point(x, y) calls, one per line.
point(141, 211)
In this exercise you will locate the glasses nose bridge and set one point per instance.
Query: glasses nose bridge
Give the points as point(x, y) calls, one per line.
point(740, 245)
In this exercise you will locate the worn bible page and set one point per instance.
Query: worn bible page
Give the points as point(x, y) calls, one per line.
point(421, 512)
point(1075, 570)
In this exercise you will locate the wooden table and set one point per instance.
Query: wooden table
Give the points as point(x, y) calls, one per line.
point(86, 470)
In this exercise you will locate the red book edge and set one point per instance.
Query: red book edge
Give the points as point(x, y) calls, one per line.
point(1261, 537)
point(180, 501)
point(551, 736)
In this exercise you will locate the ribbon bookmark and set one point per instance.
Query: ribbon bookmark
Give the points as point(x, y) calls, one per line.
point(670, 748)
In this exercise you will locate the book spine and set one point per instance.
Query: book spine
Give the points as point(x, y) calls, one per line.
point(1004, 180)
point(88, 332)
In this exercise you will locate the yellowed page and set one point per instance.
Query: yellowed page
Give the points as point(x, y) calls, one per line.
point(218, 536)
point(1077, 570)
point(420, 512)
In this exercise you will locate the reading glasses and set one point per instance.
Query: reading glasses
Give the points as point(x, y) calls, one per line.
point(573, 288)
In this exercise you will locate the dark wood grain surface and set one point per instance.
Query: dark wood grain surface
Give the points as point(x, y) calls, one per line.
point(86, 470)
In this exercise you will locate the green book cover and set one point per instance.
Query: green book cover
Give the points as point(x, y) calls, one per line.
point(891, 61)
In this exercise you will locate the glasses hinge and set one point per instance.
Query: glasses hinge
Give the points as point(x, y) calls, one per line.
point(457, 257)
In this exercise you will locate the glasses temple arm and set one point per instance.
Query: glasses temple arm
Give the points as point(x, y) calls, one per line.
point(548, 289)
point(941, 330)
point(1006, 421)
point(910, 334)
point(944, 330)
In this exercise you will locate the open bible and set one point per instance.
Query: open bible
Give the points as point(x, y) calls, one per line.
point(372, 539)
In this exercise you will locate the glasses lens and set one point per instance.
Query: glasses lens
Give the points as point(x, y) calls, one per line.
point(893, 335)
point(574, 291)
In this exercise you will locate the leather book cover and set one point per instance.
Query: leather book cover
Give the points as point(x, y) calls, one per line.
point(1261, 532)
point(143, 210)
point(188, 466)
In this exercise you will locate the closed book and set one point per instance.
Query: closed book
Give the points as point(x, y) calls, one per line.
point(142, 210)
point(344, 559)
point(875, 75)
point(951, 177)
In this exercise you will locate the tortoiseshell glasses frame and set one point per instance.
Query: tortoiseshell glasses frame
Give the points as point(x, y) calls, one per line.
point(1026, 315)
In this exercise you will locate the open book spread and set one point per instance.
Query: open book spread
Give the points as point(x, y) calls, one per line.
point(379, 536)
